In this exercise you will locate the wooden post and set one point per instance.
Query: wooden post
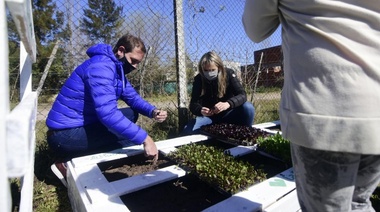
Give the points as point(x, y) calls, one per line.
point(180, 64)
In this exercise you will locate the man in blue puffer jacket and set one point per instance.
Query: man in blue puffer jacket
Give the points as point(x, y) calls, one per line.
point(85, 118)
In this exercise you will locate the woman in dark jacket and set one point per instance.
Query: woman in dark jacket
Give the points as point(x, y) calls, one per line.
point(218, 96)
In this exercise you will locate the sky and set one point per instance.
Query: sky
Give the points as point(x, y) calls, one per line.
point(208, 25)
point(220, 28)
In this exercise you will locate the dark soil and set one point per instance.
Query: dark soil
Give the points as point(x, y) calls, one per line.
point(270, 166)
point(130, 166)
point(376, 199)
point(187, 193)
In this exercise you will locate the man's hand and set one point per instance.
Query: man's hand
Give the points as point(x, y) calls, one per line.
point(206, 111)
point(150, 149)
point(221, 106)
point(160, 115)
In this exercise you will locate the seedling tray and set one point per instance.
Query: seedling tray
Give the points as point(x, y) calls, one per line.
point(232, 141)
point(234, 134)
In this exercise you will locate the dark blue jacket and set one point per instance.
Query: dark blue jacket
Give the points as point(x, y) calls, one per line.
point(91, 93)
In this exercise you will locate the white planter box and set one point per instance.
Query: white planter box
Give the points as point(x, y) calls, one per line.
point(90, 191)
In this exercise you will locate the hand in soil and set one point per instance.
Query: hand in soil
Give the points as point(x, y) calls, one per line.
point(150, 148)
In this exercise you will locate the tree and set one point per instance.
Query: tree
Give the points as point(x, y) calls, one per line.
point(156, 30)
point(48, 24)
point(102, 20)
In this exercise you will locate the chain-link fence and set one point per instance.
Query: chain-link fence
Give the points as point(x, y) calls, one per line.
point(177, 33)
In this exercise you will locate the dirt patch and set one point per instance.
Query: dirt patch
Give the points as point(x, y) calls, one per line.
point(270, 165)
point(130, 166)
point(187, 193)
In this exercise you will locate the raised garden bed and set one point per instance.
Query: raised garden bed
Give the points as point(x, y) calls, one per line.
point(111, 181)
point(193, 192)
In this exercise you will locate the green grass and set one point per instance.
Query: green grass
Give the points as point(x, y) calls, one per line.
point(266, 110)
point(48, 194)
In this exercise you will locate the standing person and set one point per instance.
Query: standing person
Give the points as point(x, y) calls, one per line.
point(217, 96)
point(85, 117)
point(331, 95)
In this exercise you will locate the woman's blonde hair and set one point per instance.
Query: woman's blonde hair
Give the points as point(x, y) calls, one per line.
point(212, 57)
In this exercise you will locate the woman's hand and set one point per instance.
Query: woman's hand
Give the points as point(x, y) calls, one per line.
point(207, 112)
point(220, 107)
point(160, 115)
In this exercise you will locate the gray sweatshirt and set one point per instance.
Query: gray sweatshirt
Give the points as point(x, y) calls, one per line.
point(331, 94)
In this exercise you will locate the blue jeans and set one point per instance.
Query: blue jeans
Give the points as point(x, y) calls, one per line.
point(242, 115)
point(89, 139)
point(334, 181)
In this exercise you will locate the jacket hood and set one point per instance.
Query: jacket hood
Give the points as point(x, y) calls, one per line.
point(106, 50)
point(101, 49)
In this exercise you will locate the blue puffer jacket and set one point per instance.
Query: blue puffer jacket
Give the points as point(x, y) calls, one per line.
point(91, 93)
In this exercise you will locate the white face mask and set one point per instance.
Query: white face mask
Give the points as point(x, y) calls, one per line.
point(211, 75)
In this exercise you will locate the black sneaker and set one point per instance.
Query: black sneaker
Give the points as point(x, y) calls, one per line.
point(60, 170)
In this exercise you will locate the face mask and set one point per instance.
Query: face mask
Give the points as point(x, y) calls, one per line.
point(127, 67)
point(211, 75)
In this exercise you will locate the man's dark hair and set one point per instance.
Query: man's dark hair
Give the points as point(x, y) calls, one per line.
point(129, 42)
